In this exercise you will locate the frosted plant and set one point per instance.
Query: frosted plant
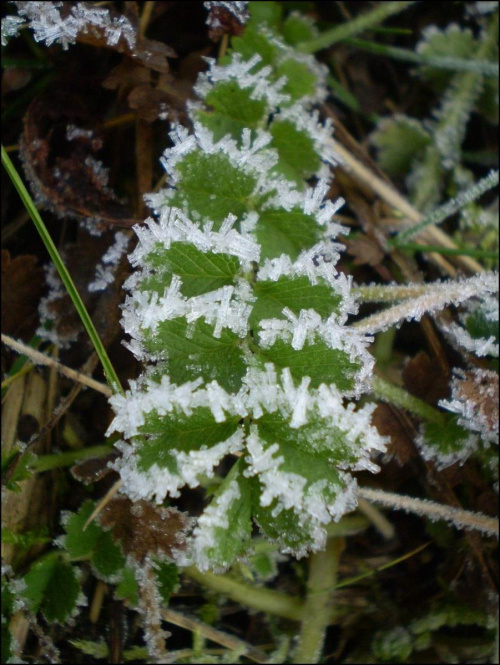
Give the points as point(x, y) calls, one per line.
point(52, 25)
point(238, 313)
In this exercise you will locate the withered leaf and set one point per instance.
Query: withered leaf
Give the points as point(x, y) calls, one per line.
point(479, 390)
point(425, 379)
point(144, 529)
point(366, 250)
point(151, 53)
point(225, 21)
point(22, 287)
point(388, 423)
point(58, 149)
point(94, 469)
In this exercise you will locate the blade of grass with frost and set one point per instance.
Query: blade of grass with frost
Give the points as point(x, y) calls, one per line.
point(109, 371)
point(353, 27)
point(483, 67)
point(452, 206)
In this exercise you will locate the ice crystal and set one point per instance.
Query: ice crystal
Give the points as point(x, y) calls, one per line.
point(474, 397)
point(49, 25)
point(105, 272)
point(239, 9)
point(10, 28)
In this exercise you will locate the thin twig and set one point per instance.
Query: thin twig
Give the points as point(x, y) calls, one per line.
point(228, 641)
point(103, 502)
point(459, 518)
point(41, 359)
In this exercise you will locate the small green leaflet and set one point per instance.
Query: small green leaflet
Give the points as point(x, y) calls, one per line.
point(53, 587)
point(93, 543)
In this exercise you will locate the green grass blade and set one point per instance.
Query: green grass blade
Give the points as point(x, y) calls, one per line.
point(109, 371)
point(340, 32)
point(483, 67)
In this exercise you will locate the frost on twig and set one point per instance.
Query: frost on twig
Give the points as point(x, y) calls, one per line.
point(460, 519)
point(436, 297)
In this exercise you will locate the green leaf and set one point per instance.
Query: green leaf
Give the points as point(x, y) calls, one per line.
point(319, 361)
point(53, 587)
point(192, 351)
point(6, 643)
point(201, 272)
point(224, 530)
point(297, 493)
point(298, 28)
point(399, 141)
point(98, 545)
point(167, 575)
point(127, 588)
point(177, 432)
point(296, 293)
point(222, 189)
point(235, 103)
point(251, 42)
point(318, 439)
point(301, 81)
point(296, 150)
point(478, 326)
point(447, 442)
point(452, 42)
point(281, 231)
point(265, 12)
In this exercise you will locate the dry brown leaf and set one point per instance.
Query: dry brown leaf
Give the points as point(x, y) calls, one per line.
point(59, 148)
point(144, 529)
point(22, 287)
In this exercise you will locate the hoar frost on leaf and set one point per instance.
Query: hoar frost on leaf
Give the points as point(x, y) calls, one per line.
point(49, 25)
point(261, 361)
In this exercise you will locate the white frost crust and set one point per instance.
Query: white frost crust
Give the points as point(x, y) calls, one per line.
point(442, 460)
point(158, 482)
point(253, 157)
point(289, 491)
point(308, 327)
point(240, 71)
point(261, 393)
point(175, 226)
point(473, 416)
point(166, 398)
point(105, 271)
point(227, 307)
point(287, 52)
point(317, 264)
point(48, 25)
point(214, 517)
point(321, 134)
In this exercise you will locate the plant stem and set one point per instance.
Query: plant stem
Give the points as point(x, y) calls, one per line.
point(449, 131)
point(68, 457)
point(367, 20)
point(260, 599)
point(436, 297)
point(109, 371)
point(484, 67)
point(460, 519)
point(323, 568)
point(388, 392)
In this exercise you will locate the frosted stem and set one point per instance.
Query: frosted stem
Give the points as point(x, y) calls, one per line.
point(392, 394)
point(460, 519)
point(436, 297)
point(354, 26)
point(323, 568)
point(260, 599)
